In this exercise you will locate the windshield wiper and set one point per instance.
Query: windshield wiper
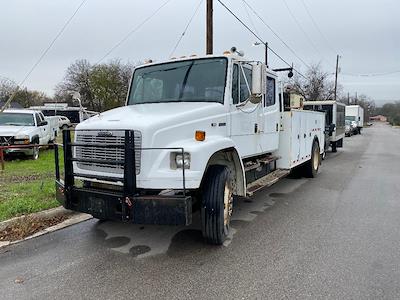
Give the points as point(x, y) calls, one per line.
point(185, 80)
point(16, 124)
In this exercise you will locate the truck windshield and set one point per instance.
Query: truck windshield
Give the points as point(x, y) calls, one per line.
point(16, 119)
point(197, 80)
point(350, 118)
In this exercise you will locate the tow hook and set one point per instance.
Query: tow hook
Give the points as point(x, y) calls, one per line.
point(128, 202)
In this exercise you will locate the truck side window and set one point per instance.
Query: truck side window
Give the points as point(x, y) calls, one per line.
point(270, 94)
point(235, 84)
point(244, 90)
point(38, 121)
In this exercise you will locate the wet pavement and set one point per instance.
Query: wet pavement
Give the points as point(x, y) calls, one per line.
point(336, 237)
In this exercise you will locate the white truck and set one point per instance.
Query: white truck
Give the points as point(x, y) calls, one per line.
point(24, 127)
point(334, 121)
point(194, 132)
point(355, 113)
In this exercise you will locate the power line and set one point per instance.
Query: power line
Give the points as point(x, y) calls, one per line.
point(132, 32)
point(302, 29)
point(318, 28)
point(371, 74)
point(44, 54)
point(249, 17)
point(186, 28)
point(259, 38)
point(275, 33)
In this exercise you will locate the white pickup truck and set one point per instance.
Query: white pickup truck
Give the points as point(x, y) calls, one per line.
point(24, 127)
point(193, 133)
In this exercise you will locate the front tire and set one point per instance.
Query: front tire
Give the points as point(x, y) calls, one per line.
point(217, 205)
point(35, 153)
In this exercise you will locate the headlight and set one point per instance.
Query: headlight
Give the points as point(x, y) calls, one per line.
point(181, 160)
point(22, 140)
point(21, 137)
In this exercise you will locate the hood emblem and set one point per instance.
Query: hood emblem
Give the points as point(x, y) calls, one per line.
point(105, 133)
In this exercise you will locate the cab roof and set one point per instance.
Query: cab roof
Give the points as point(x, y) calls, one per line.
point(21, 111)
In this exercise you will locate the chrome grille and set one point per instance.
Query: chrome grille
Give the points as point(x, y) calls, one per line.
point(91, 152)
point(6, 140)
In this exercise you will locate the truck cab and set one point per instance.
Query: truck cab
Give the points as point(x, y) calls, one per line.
point(193, 133)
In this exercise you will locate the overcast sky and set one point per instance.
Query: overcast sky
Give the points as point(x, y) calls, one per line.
point(366, 33)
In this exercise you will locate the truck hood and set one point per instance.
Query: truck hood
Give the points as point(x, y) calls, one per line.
point(15, 130)
point(152, 116)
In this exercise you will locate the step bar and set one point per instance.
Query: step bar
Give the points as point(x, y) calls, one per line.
point(266, 181)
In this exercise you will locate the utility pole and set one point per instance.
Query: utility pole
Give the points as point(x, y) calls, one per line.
point(348, 98)
point(266, 54)
point(209, 38)
point(337, 71)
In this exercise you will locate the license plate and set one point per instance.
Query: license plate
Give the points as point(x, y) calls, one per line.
point(97, 206)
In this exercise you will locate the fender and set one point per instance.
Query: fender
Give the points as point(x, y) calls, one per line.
point(35, 137)
point(201, 155)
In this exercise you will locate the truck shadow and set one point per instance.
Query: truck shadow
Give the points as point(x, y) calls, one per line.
point(143, 241)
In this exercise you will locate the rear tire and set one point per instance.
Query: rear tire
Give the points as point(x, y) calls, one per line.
point(217, 204)
point(311, 167)
point(334, 147)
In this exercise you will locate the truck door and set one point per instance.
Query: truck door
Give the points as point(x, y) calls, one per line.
point(41, 128)
point(270, 115)
point(245, 127)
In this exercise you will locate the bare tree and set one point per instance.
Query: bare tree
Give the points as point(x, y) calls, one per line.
point(316, 86)
point(102, 86)
point(7, 88)
point(77, 78)
point(23, 95)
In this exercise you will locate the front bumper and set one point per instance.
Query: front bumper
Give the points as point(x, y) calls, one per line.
point(26, 151)
point(110, 205)
point(126, 204)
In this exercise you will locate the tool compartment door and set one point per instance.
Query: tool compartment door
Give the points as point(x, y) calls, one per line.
point(295, 137)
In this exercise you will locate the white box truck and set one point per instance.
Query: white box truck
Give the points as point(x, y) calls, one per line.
point(334, 121)
point(355, 113)
point(194, 132)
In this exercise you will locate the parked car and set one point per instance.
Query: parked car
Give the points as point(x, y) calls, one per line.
point(24, 127)
point(348, 128)
point(64, 122)
point(354, 127)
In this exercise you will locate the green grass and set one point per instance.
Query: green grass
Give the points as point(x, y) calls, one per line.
point(26, 166)
point(27, 185)
point(26, 197)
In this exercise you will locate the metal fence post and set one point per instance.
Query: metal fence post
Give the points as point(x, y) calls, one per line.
point(2, 158)
point(68, 167)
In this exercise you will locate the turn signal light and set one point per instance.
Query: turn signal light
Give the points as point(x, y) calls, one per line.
point(200, 135)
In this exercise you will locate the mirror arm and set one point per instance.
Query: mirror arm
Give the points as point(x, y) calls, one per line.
point(245, 79)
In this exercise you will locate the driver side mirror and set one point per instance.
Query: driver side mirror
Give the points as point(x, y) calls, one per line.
point(257, 86)
point(43, 123)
